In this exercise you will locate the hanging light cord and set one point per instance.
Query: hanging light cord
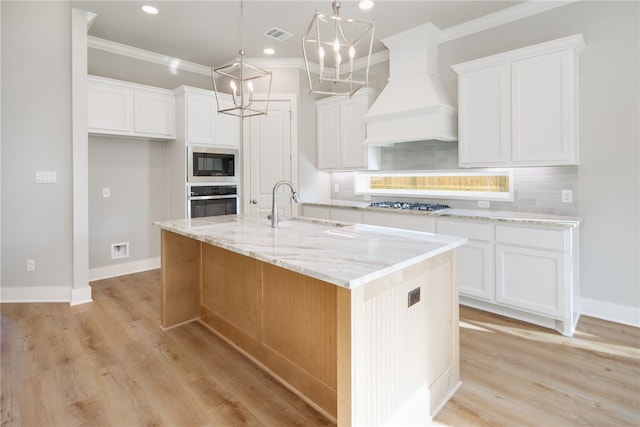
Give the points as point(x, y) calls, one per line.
point(242, 29)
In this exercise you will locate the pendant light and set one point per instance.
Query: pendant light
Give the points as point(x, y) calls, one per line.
point(332, 42)
point(241, 80)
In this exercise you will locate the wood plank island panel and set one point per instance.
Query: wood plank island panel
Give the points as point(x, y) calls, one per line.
point(180, 259)
point(359, 352)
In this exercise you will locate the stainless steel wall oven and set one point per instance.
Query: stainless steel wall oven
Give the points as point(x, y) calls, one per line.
point(212, 200)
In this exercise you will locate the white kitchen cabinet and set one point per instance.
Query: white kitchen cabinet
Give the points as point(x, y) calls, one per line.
point(341, 130)
point(533, 269)
point(127, 109)
point(524, 271)
point(475, 258)
point(520, 108)
point(202, 123)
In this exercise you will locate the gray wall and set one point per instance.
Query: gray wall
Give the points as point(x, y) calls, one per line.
point(36, 136)
point(135, 170)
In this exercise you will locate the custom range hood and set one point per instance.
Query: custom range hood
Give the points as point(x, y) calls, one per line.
point(414, 105)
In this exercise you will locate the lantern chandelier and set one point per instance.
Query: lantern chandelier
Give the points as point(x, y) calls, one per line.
point(241, 79)
point(331, 42)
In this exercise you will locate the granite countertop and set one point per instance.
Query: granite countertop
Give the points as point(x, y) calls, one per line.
point(347, 255)
point(474, 214)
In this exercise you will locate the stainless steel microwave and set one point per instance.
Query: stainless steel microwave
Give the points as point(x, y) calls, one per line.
point(209, 164)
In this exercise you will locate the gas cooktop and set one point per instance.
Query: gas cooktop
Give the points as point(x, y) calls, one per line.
point(411, 206)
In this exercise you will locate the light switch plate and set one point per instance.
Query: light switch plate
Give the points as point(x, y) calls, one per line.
point(106, 192)
point(46, 177)
point(567, 196)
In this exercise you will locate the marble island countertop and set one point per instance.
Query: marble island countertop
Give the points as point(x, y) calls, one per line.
point(344, 254)
point(475, 214)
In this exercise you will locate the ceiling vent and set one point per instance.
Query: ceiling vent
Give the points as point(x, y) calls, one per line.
point(277, 34)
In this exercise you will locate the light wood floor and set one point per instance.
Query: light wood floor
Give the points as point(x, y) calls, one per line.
point(107, 363)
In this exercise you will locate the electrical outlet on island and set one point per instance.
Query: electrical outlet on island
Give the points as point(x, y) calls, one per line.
point(483, 204)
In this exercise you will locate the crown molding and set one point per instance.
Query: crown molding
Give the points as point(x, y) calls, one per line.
point(145, 55)
point(505, 16)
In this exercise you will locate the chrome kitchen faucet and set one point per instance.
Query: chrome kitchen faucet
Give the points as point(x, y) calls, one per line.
point(274, 202)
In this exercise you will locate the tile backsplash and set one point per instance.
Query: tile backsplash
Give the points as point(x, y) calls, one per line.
point(537, 189)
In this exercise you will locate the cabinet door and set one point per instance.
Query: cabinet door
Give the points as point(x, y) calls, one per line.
point(484, 125)
point(154, 114)
point(476, 266)
point(544, 110)
point(531, 279)
point(352, 133)
point(110, 109)
point(328, 136)
point(200, 112)
point(226, 128)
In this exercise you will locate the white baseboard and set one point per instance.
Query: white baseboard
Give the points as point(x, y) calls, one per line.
point(624, 314)
point(20, 294)
point(35, 294)
point(123, 268)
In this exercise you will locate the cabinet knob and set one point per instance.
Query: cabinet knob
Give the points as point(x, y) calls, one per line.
point(254, 202)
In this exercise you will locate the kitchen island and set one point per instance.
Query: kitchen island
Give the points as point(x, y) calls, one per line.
point(360, 321)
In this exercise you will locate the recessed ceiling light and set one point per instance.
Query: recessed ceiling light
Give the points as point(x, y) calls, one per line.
point(150, 9)
point(365, 4)
point(269, 51)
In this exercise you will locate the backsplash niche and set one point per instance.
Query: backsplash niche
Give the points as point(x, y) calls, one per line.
point(535, 189)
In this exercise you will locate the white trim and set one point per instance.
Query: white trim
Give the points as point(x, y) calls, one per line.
point(145, 55)
point(505, 16)
point(81, 291)
point(35, 294)
point(179, 64)
point(121, 269)
point(80, 296)
point(625, 314)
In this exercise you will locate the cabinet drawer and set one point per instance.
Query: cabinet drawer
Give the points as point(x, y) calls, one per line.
point(472, 231)
point(555, 240)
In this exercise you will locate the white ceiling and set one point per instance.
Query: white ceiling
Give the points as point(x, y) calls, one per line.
point(208, 32)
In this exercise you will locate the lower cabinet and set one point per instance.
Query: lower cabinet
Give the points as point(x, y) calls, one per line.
point(524, 271)
point(528, 272)
point(476, 278)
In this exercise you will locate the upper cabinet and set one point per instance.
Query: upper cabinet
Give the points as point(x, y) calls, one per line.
point(198, 115)
point(520, 108)
point(128, 109)
point(342, 130)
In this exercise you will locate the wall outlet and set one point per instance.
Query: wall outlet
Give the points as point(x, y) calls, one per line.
point(483, 204)
point(119, 250)
point(414, 297)
point(366, 198)
point(31, 265)
point(106, 192)
point(336, 188)
point(567, 196)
